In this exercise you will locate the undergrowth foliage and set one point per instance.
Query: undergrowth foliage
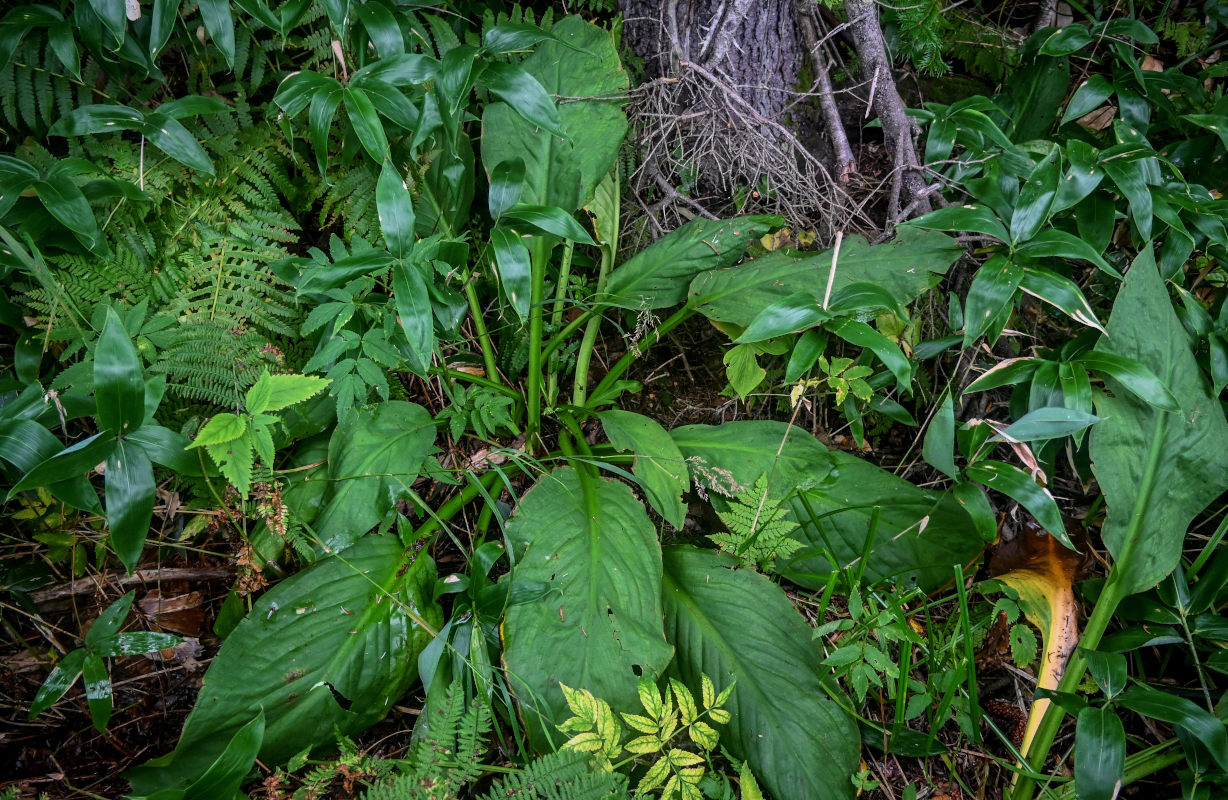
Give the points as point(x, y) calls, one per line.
point(336, 293)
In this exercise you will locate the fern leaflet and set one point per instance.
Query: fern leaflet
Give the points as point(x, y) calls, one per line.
point(759, 528)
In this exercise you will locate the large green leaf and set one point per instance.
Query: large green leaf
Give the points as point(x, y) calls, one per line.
point(373, 458)
point(409, 287)
point(119, 387)
point(906, 266)
point(130, 500)
point(68, 464)
point(66, 202)
point(920, 533)
point(1157, 469)
point(396, 210)
point(581, 61)
point(24, 443)
point(598, 627)
point(522, 92)
point(728, 459)
point(658, 463)
point(920, 536)
point(658, 275)
point(332, 646)
point(736, 626)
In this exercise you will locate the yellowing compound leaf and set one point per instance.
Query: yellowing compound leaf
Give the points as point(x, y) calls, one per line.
point(1042, 571)
point(686, 703)
point(642, 745)
point(650, 698)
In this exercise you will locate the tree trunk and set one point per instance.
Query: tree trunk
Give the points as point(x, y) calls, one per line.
point(720, 116)
point(752, 44)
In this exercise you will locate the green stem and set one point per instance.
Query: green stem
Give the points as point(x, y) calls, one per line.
point(457, 375)
point(539, 250)
point(1093, 632)
point(630, 357)
point(488, 352)
point(556, 341)
point(584, 357)
point(455, 503)
point(1115, 590)
point(974, 705)
point(560, 290)
point(556, 317)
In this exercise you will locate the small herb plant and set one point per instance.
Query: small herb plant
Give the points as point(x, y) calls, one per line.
point(676, 771)
point(235, 441)
point(102, 640)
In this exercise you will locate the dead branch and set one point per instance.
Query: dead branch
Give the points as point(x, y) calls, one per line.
point(898, 130)
point(845, 164)
point(93, 583)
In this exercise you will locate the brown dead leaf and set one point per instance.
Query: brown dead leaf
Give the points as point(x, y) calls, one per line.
point(995, 646)
point(1043, 571)
point(182, 613)
point(1099, 119)
point(1152, 64)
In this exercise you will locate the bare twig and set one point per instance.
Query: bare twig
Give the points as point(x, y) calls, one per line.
point(843, 154)
point(93, 583)
point(898, 129)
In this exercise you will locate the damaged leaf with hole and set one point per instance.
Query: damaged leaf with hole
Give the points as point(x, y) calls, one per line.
point(311, 672)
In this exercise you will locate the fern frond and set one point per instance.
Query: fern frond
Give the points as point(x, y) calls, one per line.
point(348, 203)
point(447, 758)
point(35, 92)
point(759, 528)
point(565, 775)
point(87, 281)
point(207, 361)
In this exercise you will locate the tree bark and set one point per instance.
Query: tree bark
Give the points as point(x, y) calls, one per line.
point(718, 113)
point(752, 44)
